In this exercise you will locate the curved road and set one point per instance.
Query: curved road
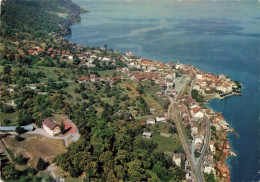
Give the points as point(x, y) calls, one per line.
point(204, 149)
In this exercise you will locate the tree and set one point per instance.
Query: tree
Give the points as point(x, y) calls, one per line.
point(140, 88)
point(197, 153)
point(62, 128)
point(41, 165)
point(20, 160)
point(197, 96)
point(18, 138)
point(10, 172)
point(7, 69)
point(7, 121)
point(20, 130)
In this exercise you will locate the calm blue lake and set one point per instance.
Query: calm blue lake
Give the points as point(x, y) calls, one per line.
point(222, 37)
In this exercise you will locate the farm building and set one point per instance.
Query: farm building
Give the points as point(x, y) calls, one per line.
point(51, 127)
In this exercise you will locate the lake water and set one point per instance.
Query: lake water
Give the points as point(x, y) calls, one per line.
point(222, 37)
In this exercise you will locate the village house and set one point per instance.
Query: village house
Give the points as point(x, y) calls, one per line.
point(83, 79)
point(208, 169)
point(92, 77)
point(216, 125)
point(147, 134)
point(160, 119)
point(222, 121)
point(212, 147)
point(196, 112)
point(150, 121)
point(51, 127)
point(177, 158)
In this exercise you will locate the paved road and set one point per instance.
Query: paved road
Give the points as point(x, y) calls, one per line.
point(204, 149)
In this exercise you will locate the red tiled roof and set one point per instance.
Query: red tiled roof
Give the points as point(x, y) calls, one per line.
point(41, 50)
point(84, 78)
point(214, 122)
point(190, 100)
point(116, 78)
point(195, 110)
point(147, 62)
point(49, 123)
point(30, 51)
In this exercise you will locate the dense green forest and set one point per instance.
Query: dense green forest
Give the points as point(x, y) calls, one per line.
point(111, 147)
point(29, 19)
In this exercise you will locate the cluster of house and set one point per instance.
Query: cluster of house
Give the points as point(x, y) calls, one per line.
point(193, 115)
point(51, 52)
point(94, 78)
point(151, 121)
point(88, 57)
point(163, 119)
point(207, 82)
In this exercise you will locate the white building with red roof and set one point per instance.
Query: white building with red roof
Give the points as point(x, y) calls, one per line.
point(196, 112)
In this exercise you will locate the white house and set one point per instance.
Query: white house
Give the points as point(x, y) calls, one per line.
point(208, 169)
point(212, 147)
point(51, 127)
point(199, 76)
point(147, 134)
point(150, 121)
point(161, 119)
point(196, 86)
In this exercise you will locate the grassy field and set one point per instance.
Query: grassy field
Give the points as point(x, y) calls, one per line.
point(10, 116)
point(167, 144)
point(52, 73)
point(108, 73)
point(34, 147)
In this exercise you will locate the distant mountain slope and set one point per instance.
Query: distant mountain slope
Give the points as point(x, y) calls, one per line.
point(33, 19)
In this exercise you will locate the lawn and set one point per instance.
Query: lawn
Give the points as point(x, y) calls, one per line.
point(10, 116)
point(167, 144)
point(52, 73)
point(107, 73)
